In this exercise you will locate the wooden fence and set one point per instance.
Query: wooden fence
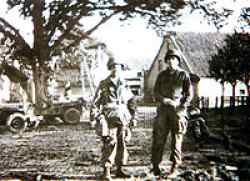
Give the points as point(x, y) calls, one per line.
point(145, 116)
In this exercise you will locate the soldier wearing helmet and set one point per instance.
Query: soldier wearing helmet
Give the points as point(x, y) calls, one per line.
point(113, 112)
point(172, 91)
point(111, 63)
point(172, 54)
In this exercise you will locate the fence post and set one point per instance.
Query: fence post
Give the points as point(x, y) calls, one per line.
point(248, 106)
point(202, 103)
point(222, 111)
point(242, 100)
point(216, 102)
point(232, 104)
point(207, 103)
point(222, 102)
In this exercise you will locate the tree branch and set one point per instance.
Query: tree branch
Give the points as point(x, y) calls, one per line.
point(70, 26)
point(83, 35)
point(59, 16)
point(13, 34)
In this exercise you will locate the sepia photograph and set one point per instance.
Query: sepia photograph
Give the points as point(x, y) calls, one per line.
point(125, 90)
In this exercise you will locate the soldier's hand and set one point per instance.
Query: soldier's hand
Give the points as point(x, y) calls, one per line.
point(92, 124)
point(168, 101)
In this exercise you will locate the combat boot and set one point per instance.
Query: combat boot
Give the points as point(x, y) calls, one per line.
point(156, 170)
point(120, 173)
point(107, 174)
point(173, 171)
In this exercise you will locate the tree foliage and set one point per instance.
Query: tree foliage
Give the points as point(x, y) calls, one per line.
point(232, 63)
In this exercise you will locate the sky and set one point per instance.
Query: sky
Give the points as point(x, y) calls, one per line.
point(134, 42)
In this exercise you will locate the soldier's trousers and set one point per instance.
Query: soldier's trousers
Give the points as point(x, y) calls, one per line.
point(168, 121)
point(114, 149)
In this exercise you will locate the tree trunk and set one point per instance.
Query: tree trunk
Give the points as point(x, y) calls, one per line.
point(234, 94)
point(223, 88)
point(233, 89)
point(41, 93)
point(223, 94)
point(247, 83)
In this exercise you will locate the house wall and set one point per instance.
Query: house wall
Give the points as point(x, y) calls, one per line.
point(209, 87)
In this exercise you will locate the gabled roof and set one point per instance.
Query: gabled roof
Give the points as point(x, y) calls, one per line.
point(198, 49)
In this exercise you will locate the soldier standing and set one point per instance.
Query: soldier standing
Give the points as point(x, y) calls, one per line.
point(172, 91)
point(112, 110)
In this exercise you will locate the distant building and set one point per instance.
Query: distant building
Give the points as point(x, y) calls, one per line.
point(135, 81)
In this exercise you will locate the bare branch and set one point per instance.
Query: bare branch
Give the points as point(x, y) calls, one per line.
point(104, 20)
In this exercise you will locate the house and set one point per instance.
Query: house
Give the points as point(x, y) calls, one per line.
point(135, 81)
point(196, 50)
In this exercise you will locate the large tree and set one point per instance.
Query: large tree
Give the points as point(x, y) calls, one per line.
point(57, 27)
point(231, 63)
point(244, 48)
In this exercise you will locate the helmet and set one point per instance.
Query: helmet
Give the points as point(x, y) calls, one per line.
point(172, 52)
point(111, 62)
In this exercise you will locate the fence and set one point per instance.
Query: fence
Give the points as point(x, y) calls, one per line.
point(224, 102)
point(146, 115)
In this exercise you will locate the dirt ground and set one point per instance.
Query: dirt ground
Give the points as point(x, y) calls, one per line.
point(73, 152)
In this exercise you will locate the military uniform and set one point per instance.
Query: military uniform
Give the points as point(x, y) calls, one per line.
point(173, 85)
point(111, 112)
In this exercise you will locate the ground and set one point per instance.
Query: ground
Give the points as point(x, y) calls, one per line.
point(61, 152)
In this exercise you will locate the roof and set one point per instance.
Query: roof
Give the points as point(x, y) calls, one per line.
point(198, 49)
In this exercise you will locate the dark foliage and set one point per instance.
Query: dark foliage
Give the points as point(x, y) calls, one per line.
point(231, 63)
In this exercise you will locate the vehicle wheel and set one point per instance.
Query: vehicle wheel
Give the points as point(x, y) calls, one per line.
point(71, 116)
point(16, 123)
